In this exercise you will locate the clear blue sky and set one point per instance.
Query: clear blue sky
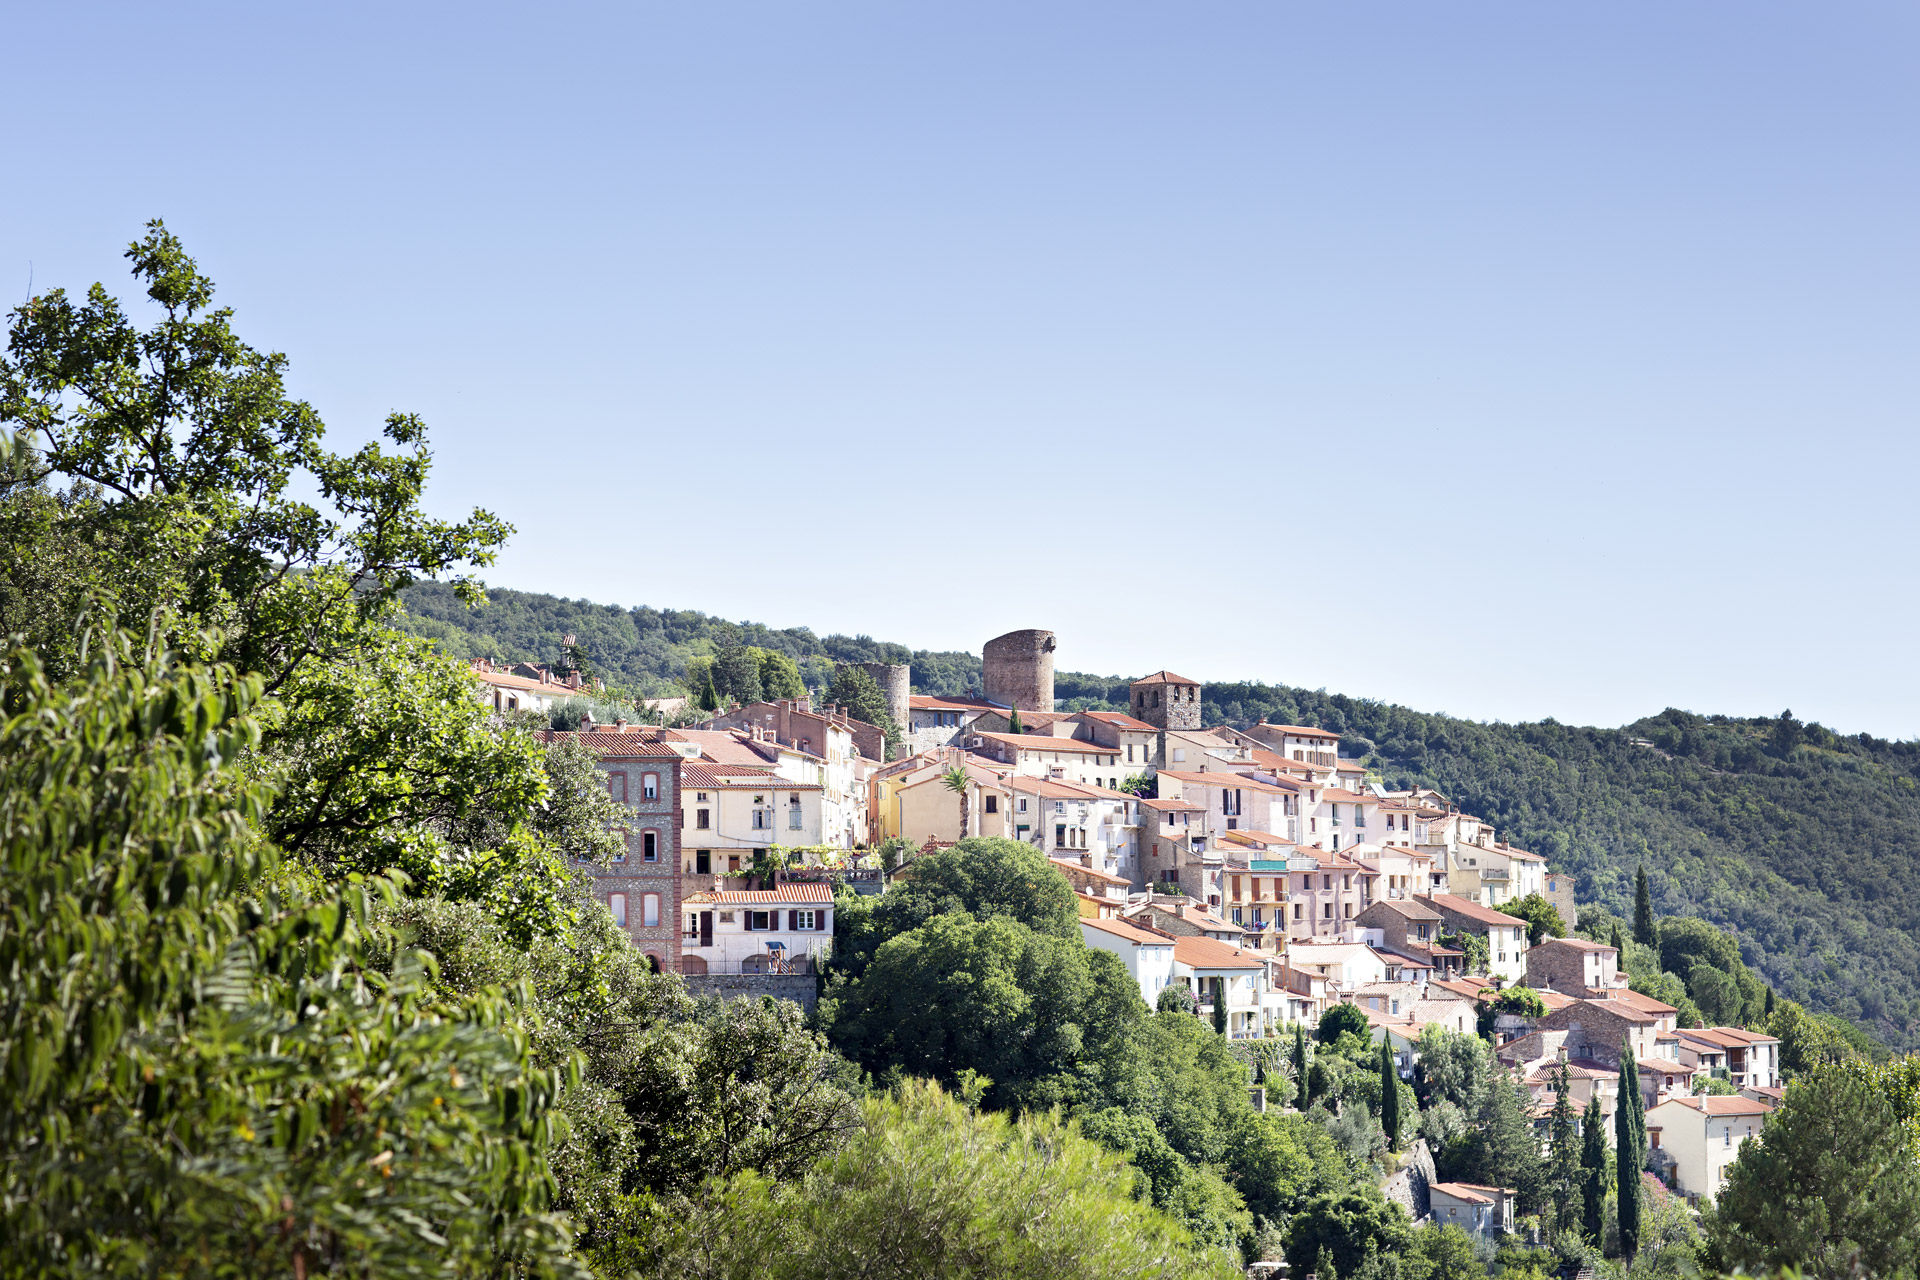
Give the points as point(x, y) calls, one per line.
point(1509, 360)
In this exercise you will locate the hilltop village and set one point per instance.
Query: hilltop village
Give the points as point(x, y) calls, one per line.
point(1254, 868)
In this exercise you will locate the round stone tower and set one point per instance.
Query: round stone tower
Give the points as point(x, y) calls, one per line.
point(896, 681)
point(1018, 669)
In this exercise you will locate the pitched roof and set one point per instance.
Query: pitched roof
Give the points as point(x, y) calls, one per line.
point(1447, 902)
point(1724, 1037)
point(1118, 719)
point(1043, 742)
point(1301, 731)
point(756, 897)
point(1723, 1105)
point(1131, 932)
point(626, 746)
point(1162, 677)
point(919, 703)
point(1207, 953)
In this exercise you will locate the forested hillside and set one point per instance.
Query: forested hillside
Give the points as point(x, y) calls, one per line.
point(1798, 840)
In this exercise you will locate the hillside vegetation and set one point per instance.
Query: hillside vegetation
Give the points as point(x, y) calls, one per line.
point(1798, 840)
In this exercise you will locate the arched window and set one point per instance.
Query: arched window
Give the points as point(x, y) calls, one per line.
point(649, 786)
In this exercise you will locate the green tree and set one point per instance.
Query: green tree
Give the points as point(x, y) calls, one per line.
point(779, 675)
point(1342, 1019)
point(988, 876)
point(929, 1187)
point(1300, 1062)
point(1644, 931)
point(1439, 1252)
point(1389, 1094)
point(1542, 917)
point(1830, 1186)
point(1349, 1226)
point(202, 1076)
point(736, 674)
point(1630, 1150)
point(1563, 1158)
point(188, 473)
point(1029, 1010)
point(957, 781)
point(855, 690)
point(1593, 1172)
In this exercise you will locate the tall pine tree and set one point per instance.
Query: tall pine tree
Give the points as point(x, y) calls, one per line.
point(1389, 1094)
point(1643, 931)
point(1630, 1150)
point(1563, 1164)
point(1593, 1169)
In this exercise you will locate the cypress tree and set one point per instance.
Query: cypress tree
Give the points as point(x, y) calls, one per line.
point(1563, 1167)
point(1389, 1094)
point(1643, 930)
point(1630, 1151)
point(1593, 1168)
point(1300, 1066)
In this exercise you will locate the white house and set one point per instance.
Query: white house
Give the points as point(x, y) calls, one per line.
point(1482, 1211)
point(1148, 955)
point(1702, 1136)
point(784, 930)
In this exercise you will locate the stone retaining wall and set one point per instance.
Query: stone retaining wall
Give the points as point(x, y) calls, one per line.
point(797, 987)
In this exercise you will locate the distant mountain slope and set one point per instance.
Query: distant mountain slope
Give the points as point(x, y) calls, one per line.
point(1805, 844)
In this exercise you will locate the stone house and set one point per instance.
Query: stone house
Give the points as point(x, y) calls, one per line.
point(1573, 966)
point(643, 886)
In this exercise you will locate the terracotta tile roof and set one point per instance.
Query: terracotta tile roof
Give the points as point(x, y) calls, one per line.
point(754, 897)
point(1445, 902)
point(1724, 1037)
point(1301, 731)
point(625, 746)
point(1162, 677)
point(1119, 720)
point(1633, 1000)
point(1131, 932)
point(1173, 806)
point(1219, 779)
point(1578, 944)
point(1723, 1105)
point(919, 703)
point(1041, 742)
point(1059, 788)
point(1068, 865)
point(1206, 953)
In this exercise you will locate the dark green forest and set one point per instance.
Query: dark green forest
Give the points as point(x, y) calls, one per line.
point(1797, 839)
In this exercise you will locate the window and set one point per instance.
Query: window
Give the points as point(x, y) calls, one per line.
point(649, 908)
point(993, 804)
point(617, 787)
point(703, 819)
point(617, 903)
point(803, 920)
point(649, 786)
point(649, 846)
